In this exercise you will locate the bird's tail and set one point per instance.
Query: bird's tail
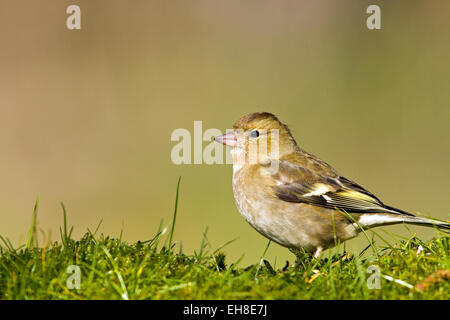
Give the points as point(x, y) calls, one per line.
point(426, 222)
point(406, 217)
point(399, 216)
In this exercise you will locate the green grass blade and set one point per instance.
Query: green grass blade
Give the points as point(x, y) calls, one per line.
point(174, 219)
point(32, 235)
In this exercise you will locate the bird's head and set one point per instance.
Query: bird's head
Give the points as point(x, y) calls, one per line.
point(259, 134)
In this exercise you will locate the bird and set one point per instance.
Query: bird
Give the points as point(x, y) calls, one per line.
point(296, 199)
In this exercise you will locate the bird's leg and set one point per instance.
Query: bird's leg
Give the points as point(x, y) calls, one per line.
point(301, 257)
point(318, 252)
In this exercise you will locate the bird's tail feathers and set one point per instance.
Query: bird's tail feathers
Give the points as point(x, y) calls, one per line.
point(427, 222)
point(375, 219)
point(409, 218)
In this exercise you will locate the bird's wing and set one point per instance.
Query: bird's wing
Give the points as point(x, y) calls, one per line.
point(294, 183)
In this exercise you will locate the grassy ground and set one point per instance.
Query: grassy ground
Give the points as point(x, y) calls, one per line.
point(159, 269)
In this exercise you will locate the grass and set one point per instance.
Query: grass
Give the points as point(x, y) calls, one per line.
point(159, 269)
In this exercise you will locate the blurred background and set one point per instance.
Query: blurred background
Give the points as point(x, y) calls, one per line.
point(87, 115)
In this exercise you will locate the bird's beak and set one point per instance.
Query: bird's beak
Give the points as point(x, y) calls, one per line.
point(229, 139)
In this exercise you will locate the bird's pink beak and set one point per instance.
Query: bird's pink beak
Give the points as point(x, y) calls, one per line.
point(229, 139)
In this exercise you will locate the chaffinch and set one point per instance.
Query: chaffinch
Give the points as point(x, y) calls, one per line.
point(295, 199)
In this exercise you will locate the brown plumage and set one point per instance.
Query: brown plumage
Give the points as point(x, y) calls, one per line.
point(295, 199)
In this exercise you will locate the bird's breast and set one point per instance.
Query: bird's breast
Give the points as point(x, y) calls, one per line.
point(292, 225)
point(264, 213)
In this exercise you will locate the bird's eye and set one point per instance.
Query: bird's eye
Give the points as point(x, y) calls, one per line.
point(254, 134)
